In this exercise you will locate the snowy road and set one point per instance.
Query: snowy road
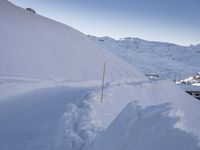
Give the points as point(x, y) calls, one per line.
point(70, 116)
point(30, 121)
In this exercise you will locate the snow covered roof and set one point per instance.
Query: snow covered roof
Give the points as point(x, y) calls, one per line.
point(188, 87)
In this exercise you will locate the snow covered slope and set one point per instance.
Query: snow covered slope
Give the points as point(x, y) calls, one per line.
point(193, 80)
point(38, 113)
point(73, 117)
point(169, 61)
point(34, 46)
point(31, 120)
point(145, 129)
point(163, 112)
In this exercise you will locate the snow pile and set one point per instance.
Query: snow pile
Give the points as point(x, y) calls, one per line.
point(169, 61)
point(37, 47)
point(145, 128)
point(78, 128)
point(89, 123)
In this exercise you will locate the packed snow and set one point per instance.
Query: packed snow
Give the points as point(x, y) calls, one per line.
point(72, 117)
point(30, 120)
point(51, 87)
point(145, 128)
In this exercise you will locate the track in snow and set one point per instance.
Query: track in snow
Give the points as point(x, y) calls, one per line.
point(30, 121)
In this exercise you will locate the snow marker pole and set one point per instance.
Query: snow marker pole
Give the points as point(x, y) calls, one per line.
point(102, 88)
point(175, 77)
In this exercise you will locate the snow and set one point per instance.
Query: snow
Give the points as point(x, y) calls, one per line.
point(30, 120)
point(37, 47)
point(188, 87)
point(167, 60)
point(16, 85)
point(71, 116)
point(145, 128)
point(87, 122)
point(50, 91)
point(192, 80)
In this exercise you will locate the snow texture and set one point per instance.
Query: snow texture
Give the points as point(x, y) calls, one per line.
point(145, 128)
point(86, 122)
point(31, 120)
point(37, 47)
point(71, 116)
point(50, 92)
point(167, 60)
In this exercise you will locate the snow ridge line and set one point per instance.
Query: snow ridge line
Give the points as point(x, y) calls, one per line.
point(145, 128)
point(85, 119)
point(80, 125)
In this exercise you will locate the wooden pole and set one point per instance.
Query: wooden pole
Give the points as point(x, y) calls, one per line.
point(175, 77)
point(103, 81)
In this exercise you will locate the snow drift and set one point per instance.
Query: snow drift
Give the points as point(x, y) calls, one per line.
point(145, 128)
point(63, 115)
point(34, 46)
point(163, 112)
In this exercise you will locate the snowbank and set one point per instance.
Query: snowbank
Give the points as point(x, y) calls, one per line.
point(145, 128)
point(89, 120)
point(72, 116)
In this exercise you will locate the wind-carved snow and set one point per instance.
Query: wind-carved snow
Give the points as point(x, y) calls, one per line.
point(79, 126)
point(76, 118)
point(178, 114)
point(145, 128)
point(87, 120)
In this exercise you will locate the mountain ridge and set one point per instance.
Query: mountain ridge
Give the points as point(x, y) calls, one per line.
point(167, 60)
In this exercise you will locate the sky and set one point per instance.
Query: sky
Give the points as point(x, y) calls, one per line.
point(175, 21)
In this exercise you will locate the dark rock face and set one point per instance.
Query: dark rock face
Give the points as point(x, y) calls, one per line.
point(31, 10)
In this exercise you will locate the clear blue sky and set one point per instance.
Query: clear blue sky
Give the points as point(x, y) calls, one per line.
point(176, 21)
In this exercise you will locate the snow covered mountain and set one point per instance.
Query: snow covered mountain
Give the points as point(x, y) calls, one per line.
point(193, 80)
point(43, 107)
point(167, 60)
point(34, 46)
